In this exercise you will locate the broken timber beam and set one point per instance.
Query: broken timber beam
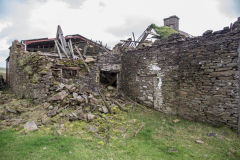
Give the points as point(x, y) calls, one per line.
point(119, 105)
point(81, 56)
point(129, 41)
point(71, 48)
point(61, 38)
point(59, 53)
point(62, 49)
point(134, 39)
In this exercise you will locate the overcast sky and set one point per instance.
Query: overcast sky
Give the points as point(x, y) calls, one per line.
point(107, 20)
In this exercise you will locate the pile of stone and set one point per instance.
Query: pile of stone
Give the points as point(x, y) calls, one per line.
point(68, 103)
point(82, 103)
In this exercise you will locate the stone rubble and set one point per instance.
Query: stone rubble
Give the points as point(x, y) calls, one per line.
point(30, 126)
point(69, 103)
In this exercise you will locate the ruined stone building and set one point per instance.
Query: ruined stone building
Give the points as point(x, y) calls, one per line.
point(36, 66)
point(194, 78)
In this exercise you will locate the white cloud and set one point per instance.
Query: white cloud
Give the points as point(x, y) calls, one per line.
point(131, 24)
point(105, 20)
point(75, 4)
point(102, 4)
point(3, 44)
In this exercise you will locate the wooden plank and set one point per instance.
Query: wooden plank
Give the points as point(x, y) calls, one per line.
point(129, 41)
point(81, 57)
point(62, 49)
point(144, 35)
point(71, 48)
point(135, 45)
point(61, 38)
point(59, 53)
point(118, 104)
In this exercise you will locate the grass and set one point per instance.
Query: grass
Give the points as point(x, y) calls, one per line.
point(160, 139)
point(163, 32)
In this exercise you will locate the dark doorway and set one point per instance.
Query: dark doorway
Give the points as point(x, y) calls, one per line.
point(68, 73)
point(108, 78)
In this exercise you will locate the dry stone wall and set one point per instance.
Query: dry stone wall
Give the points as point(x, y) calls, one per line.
point(109, 62)
point(195, 78)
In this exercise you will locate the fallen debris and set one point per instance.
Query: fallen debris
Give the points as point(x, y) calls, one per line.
point(212, 134)
point(139, 129)
point(104, 99)
point(30, 126)
point(199, 141)
point(81, 56)
point(176, 120)
point(59, 96)
point(173, 150)
point(119, 105)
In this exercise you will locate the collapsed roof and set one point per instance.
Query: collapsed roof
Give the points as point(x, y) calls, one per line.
point(64, 46)
point(171, 26)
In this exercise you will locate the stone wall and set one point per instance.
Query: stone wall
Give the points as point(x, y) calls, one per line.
point(109, 62)
point(195, 78)
point(33, 75)
point(172, 22)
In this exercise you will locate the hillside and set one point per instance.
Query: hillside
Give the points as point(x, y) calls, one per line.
point(2, 70)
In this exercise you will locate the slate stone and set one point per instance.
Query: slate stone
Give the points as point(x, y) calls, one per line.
point(30, 126)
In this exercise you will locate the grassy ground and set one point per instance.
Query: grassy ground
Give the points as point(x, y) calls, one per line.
point(3, 72)
point(161, 138)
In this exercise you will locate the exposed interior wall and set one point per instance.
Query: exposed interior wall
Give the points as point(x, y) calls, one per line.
point(87, 47)
point(32, 75)
point(196, 78)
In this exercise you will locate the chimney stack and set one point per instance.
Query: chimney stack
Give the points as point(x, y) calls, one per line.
point(172, 22)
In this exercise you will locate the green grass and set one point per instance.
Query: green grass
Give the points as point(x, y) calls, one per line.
point(160, 139)
point(164, 31)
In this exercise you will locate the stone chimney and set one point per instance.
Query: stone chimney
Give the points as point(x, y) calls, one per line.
point(172, 22)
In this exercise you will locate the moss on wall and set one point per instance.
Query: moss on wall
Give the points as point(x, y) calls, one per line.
point(28, 70)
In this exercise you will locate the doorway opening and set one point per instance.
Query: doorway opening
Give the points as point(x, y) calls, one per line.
point(108, 78)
